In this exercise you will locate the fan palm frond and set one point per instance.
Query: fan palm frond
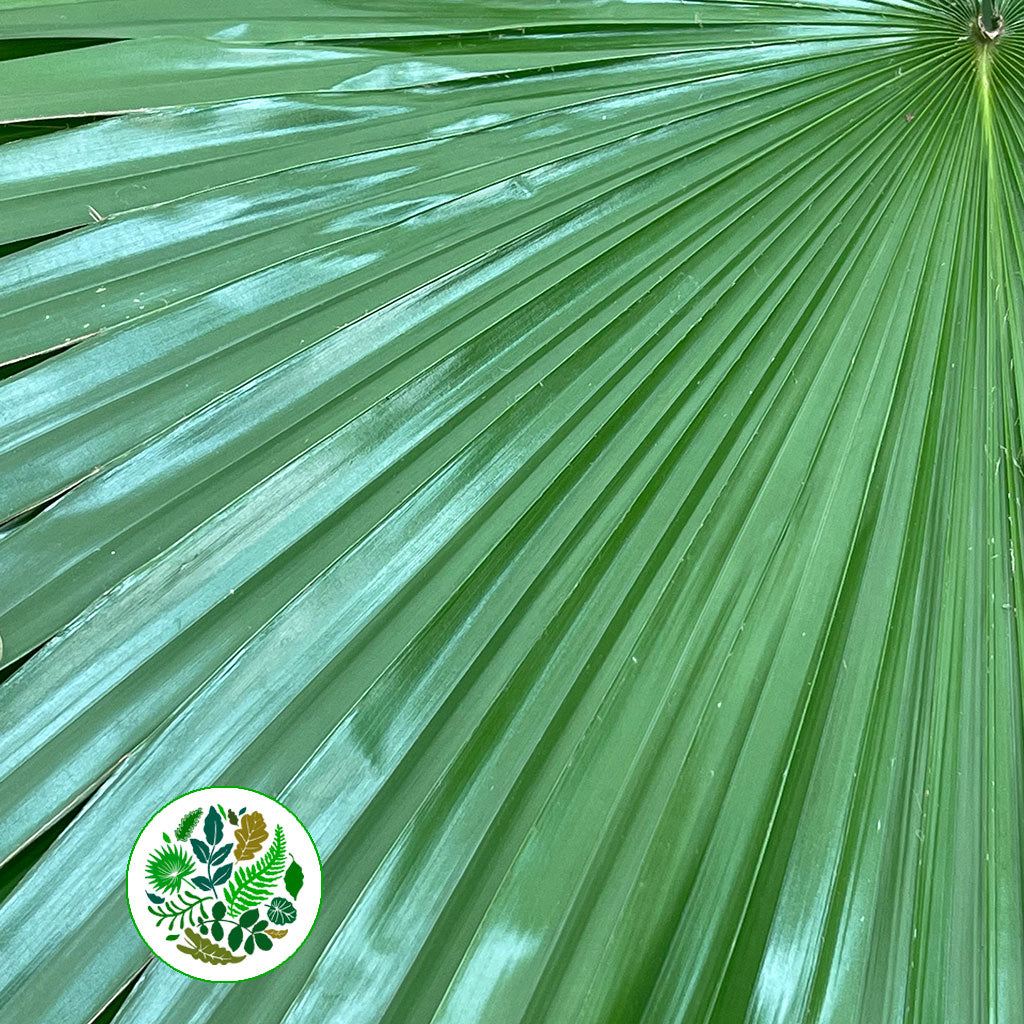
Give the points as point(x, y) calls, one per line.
point(569, 451)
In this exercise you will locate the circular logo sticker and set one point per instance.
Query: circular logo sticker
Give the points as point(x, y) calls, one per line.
point(224, 884)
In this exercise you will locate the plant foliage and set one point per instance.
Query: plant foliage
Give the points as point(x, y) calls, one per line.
point(187, 825)
point(207, 950)
point(570, 451)
point(253, 883)
point(168, 867)
point(251, 835)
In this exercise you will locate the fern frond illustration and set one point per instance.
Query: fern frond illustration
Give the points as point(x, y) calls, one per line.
point(188, 823)
point(254, 883)
point(168, 867)
point(174, 912)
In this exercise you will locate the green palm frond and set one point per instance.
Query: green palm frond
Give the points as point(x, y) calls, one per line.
point(569, 451)
point(168, 867)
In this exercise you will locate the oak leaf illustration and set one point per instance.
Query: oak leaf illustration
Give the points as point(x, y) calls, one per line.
point(251, 835)
point(207, 950)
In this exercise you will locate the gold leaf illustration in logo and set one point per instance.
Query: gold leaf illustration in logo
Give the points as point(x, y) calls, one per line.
point(251, 835)
point(276, 933)
point(207, 950)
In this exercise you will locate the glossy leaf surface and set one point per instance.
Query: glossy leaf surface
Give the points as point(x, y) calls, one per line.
point(570, 452)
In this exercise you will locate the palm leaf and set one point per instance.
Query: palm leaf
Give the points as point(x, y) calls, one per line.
point(570, 452)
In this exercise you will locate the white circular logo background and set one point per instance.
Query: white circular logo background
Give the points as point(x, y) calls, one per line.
point(224, 884)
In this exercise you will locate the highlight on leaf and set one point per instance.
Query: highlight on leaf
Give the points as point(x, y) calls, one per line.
point(168, 867)
point(575, 448)
point(251, 835)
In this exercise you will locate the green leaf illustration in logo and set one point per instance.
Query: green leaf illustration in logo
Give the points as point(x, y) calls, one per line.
point(293, 879)
point(168, 867)
point(254, 883)
point(248, 919)
point(213, 826)
point(222, 874)
point(225, 909)
point(281, 911)
point(207, 950)
point(221, 854)
point(187, 824)
point(174, 913)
